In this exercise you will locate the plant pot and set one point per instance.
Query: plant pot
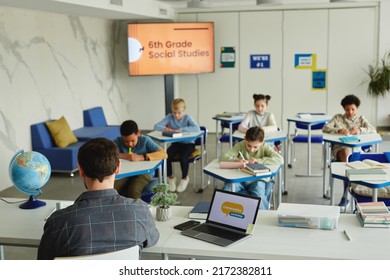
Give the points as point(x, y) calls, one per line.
point(163, 214)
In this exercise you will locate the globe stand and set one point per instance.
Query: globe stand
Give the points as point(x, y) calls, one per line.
point(32, 203)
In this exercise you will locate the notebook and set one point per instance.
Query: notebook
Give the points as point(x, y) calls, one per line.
point(231, 218)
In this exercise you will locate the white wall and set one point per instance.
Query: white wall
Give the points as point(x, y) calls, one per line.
point(384, 47)
point(343, 37)
point(53, 65)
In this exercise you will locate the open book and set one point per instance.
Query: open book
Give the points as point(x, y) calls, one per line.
point(366, 164)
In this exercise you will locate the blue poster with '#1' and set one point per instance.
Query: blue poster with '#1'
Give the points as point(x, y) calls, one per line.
point(260, 61)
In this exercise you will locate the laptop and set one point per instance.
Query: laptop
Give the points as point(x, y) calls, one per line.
point(230, 219)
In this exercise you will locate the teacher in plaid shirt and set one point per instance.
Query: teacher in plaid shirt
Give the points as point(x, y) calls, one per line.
point(100, 220)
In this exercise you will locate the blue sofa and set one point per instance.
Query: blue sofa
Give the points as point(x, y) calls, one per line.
point(65, 159)
point(61, 159)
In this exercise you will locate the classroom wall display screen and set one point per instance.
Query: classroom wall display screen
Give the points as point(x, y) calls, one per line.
point(170, 48)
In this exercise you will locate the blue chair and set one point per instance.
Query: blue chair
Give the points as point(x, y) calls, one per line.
point(300, 137)
point(225, 136)
point(365, 196)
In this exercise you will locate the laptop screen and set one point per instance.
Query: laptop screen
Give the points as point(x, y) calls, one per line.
point(233, 210)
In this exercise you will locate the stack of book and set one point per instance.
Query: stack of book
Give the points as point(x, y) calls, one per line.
point(256, 169)
point(172, 134)
point(200, 210)
point(366, 170)
point(373, 214)
point(230, 114)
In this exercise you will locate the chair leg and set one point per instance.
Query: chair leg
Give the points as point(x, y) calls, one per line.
point(194, 185)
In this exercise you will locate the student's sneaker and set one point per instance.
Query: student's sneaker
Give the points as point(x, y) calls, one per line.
point(343, 202)
point(183, 184)
point(172, 184)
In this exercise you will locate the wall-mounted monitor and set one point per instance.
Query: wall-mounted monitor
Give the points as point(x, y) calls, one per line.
point(170, 48)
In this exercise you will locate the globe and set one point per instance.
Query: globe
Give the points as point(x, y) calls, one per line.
point(29, 172)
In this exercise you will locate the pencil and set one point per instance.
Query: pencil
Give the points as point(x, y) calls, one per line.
point(241, 155)
point(347, 235)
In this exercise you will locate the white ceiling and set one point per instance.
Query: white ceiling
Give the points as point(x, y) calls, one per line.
point(121, 9)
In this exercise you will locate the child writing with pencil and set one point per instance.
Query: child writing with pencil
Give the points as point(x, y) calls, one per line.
point(178, 121)
point(253, 149)
point(349, 123)
point(136, 147)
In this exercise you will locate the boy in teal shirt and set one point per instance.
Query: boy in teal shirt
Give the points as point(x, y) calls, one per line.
point(136, 147)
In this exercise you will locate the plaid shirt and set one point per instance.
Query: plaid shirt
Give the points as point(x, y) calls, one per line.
point(98, 222)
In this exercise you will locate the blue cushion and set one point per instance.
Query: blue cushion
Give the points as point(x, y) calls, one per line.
point(89, 132)
point(304, 139)
point(94, 117)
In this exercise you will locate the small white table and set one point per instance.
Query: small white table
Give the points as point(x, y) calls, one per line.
point(134, 168)
point(312, 120)
point(187, 136)
point(331, 139)
point(237, 176)
point(229, 120)
point(337, 170)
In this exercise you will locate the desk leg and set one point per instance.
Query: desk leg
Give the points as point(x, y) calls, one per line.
point(2, 252)
point(231, 134)
point(285, 169)
point(216, 146)
point(160, 172)
point(289, 146)
point(375, 195)
point(308, 174)
point(203, 186)
point(165, 178)
point(331, 183)
point(325, 153)
point(216, 139)
point(279, 191)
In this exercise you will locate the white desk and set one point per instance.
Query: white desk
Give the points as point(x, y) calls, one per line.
point(24, 228)
point(133, 168)
point(270, 138)
point(337, 170)
point(237, 176)
point(187, 136)
point(332, 139)
point(269, 241)
point(232, 120)
point(313, 120)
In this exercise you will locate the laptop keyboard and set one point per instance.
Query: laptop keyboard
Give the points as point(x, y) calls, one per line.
point(220, 232)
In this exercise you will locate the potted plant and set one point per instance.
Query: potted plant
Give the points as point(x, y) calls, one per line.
point(162, 199)
point(379, 77)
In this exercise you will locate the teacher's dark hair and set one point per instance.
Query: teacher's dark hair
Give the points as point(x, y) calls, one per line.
point(98, 158)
